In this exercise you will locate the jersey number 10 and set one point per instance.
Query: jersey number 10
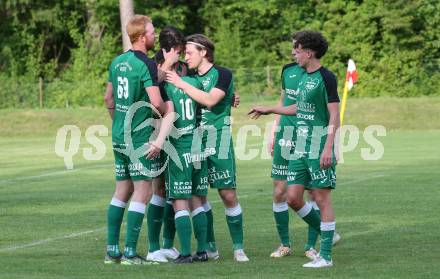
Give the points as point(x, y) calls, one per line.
point(187, 109)
point(122, 87)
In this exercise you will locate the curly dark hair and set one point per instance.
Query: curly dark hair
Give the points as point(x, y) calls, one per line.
point(311, 40)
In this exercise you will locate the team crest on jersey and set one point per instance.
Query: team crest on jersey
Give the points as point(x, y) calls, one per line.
point(123, 66)
point(311, 83)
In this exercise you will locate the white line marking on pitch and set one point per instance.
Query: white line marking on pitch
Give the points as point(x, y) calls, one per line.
point(53, 173)
point(73, 235)
point(43, 241)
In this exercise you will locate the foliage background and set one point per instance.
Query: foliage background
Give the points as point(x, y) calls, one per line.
point(70, 43)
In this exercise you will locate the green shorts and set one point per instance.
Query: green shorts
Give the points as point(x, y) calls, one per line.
point(158, 163)
point(133, 168)
point(307, 172)
point(191, 180)
point(281, 151)
point(221, 167)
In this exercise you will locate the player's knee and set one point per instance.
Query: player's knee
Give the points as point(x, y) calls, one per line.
point(318, 199)
point(148, 194)
point(196, 202)
point(142, 195)
point(229, 198)
point(159, 192)
point(123, 193)
point(294, 202)
point(122, 196)
point(158, 184)
point(204, 199)
point(279, 194)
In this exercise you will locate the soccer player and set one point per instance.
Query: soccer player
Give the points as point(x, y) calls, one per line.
point(313, 165)
point(216, 96)
point(133, 82)
point(283, 140)
point(172, 43)
point(187, 179)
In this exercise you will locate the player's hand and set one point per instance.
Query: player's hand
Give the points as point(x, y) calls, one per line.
point(256, 112)
point(174, 79)
point(235, 100)
point(171, 56)
point(153, 150)
point(326, 158)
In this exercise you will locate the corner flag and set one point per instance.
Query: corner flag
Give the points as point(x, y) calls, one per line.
point(350, 79)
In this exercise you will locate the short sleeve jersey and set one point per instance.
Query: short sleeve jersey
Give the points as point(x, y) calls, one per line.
point(130, 74)
point(218, 115)
point(316, 90)
point(187, 109)
point(290, 79)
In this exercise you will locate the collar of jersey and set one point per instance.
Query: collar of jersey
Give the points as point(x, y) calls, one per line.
point(317, 70)
point(137, 51)
point(206, 71)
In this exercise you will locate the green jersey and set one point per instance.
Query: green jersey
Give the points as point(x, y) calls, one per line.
point(130, 74)
point(290, 79)
point(316, 90)
point(219, 115)
point(187, 109)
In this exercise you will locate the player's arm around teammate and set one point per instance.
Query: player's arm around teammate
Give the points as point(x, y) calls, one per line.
point(217, 96)
point(209, 100)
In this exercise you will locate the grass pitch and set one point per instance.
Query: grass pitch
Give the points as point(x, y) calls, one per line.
point(53, 221)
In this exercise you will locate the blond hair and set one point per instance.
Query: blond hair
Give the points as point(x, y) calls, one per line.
point(136, 27)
